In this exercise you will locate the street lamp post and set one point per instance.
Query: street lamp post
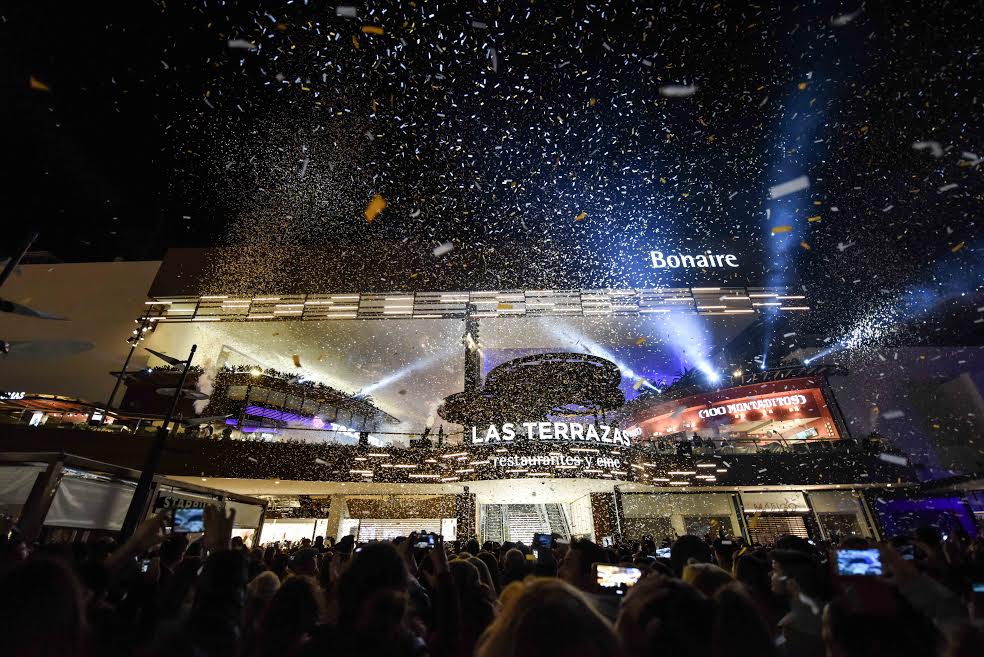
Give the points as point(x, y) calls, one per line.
point(140, 495)
point(134, 340)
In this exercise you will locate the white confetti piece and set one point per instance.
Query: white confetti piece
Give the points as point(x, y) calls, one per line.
point(789, 187)
point(970, 158)
point(241, 44)
point(892, 415)
point(321, 461)
point(441, 249)
point(678, 90)
point(946, 188)
point(346, 11)
point(932, 146)
point(892, 458)
point(844, 19)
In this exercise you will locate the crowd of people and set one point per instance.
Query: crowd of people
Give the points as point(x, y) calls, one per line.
point(162, 594)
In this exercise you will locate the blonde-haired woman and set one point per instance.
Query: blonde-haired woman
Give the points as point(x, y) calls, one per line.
point(547, 616)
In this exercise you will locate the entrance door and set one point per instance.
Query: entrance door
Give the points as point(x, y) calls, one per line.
point(386, 529)
point(765, 528)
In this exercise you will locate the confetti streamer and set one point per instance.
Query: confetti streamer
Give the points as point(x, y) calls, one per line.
point(297, 360)
point(37, 85)
point(790, 187)
point(376, 205)
point(240, 44)
point(677, 90)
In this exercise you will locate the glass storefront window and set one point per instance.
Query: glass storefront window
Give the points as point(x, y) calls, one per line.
point(277, 399)
point(293, 403)
point(258, 394)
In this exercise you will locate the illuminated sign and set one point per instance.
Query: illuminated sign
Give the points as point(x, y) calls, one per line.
point(705, 260)
point(553, 431)
point(12, 395)
point(554, 461)
point(752, 405)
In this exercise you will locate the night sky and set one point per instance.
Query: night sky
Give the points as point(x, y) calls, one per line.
point(136, 126)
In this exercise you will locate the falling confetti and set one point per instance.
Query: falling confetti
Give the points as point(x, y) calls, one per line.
point(677, 91)
point(443, 249)
point(790, 187)
point(37, 85)
point(844, 19)
point(241, 44)
point(376, 205)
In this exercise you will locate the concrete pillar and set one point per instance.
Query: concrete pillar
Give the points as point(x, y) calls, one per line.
point(337, 511)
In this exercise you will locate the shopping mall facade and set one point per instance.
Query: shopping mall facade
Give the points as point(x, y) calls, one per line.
point(490, 392)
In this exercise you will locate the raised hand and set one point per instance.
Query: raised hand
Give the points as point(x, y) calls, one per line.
point(218, 528)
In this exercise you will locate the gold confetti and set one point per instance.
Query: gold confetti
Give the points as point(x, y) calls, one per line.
point(638, 384)
point(581, 216)
point(505, 306)
point(813, 219)
point(355, 42)
point(781, 229)
point(957, 247)
point(376, 205)
point(38, 85)
point(641, 341)
point(802, 85)
point(297, 360)
point(591, 102)
point(805, 246)
point(372, 29)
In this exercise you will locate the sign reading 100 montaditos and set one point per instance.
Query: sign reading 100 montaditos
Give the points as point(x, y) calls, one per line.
point(601, 434)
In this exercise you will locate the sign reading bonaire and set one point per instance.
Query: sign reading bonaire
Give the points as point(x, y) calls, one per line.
point(553, 431)
point(706, 260)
